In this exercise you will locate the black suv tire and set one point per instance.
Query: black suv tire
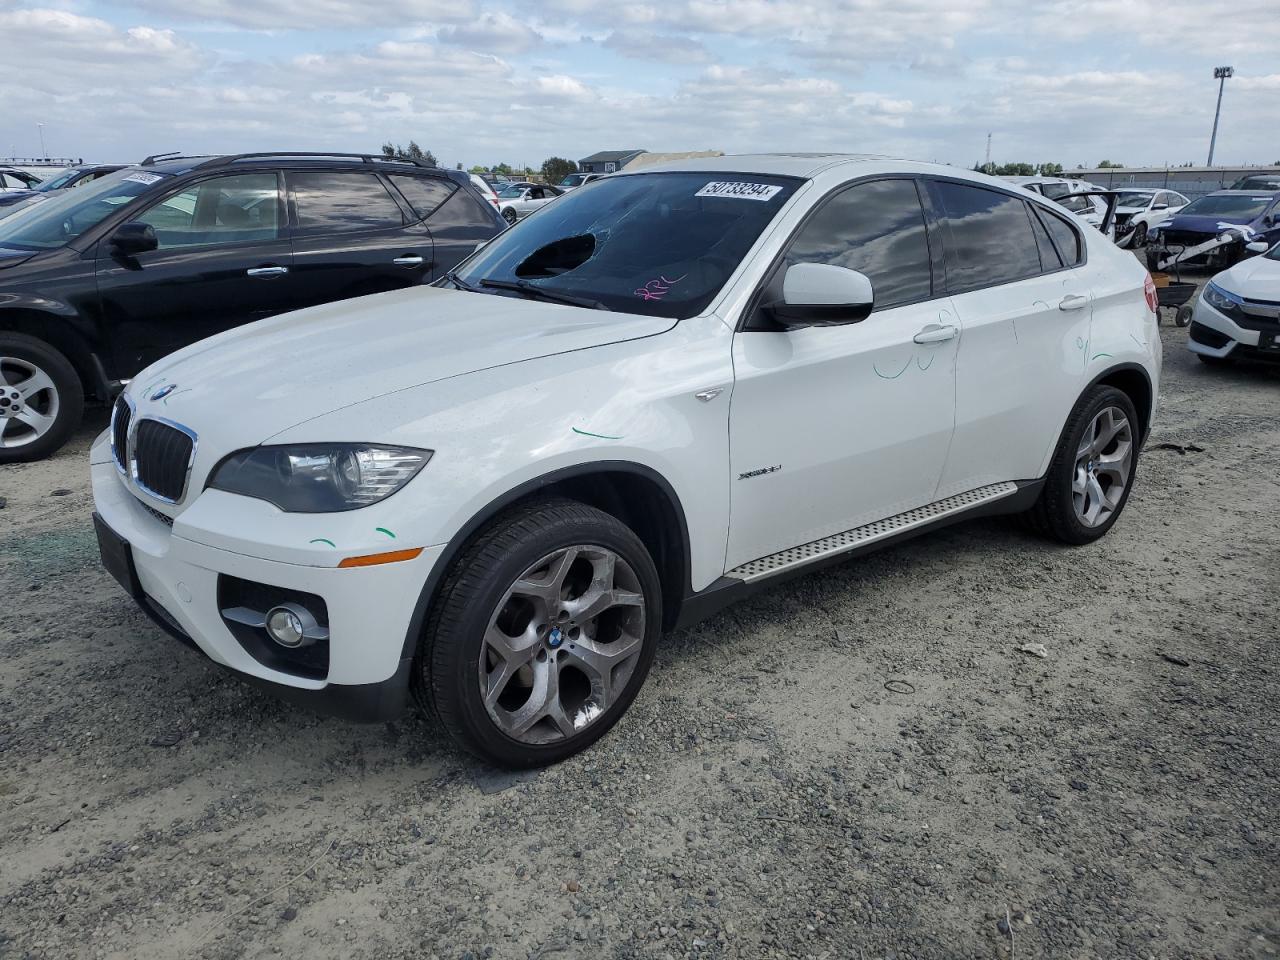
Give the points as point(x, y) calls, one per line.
point(18, 353)
point(446, 678)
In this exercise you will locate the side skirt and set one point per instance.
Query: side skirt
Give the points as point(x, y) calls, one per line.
point(749, 578)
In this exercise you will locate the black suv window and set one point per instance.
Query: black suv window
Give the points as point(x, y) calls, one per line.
point(424, 194)
point(460, 216)
point(878, 229)
point(233, 209)
point(337, 202)
point(989, 237)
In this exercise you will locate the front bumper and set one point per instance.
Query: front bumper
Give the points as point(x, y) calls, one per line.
point(369, 608)
point(1213, 334)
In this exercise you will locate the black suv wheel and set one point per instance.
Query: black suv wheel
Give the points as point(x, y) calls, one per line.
point(41, 399)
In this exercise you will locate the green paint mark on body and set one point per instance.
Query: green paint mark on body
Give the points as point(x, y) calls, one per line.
point(386, 531)
point(323, 540)
point(1097, 355)
point(598, 436)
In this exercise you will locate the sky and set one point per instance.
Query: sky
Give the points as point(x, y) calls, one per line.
point(477, 82)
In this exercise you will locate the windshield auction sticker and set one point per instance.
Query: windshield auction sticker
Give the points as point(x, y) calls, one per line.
point(739, 190)
point(147, 178)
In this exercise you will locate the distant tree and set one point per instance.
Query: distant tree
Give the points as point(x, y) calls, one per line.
point(503, 169)
point(1050, 169)
point(556, 169)
point(1108, 165)
point(412, 152)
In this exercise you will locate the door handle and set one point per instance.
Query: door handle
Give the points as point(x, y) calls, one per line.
point(935, 333)
point(267, 271)
point(410, 260)
point(1072, 301)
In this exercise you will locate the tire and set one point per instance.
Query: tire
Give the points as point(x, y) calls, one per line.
point(499, 588)
point(1183, 317)
point(1139, 236)
point(1215, 361)
point(509, 215)
point(57, 393)
point(1065, 510)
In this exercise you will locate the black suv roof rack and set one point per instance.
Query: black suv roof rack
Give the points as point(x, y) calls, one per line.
point(156, 157)
point(300, 155)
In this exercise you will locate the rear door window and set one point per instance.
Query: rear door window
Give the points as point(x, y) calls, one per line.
point(1065, 237)
point(240, 208)
point(989, 236)
point(878, 229)
point(339, 202)
point(425, 194)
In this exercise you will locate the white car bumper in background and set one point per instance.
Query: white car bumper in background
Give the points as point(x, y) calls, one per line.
point(1214, 334)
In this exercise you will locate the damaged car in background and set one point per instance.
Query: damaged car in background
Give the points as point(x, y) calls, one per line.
point(1137, 211)
point(1215, 230)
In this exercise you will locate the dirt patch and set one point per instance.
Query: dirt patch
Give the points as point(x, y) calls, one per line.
point(860, 763)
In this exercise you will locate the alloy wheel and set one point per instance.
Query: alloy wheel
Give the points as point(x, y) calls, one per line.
point(562, 644)
point(29, 402)
point(1104, 464)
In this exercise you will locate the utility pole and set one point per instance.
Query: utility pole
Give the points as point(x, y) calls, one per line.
point(1221, 74)
point(986, 167)
point(44, 154)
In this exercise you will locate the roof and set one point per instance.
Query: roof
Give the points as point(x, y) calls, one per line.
point(781, 164)
point(1242, 193)
point(611, 156)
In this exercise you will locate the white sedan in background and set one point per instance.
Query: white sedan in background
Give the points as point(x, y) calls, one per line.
point(1238, 313)
point(520, 199)
point(1137, 211)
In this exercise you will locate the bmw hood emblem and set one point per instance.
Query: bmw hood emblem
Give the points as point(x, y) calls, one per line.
point(164, 391)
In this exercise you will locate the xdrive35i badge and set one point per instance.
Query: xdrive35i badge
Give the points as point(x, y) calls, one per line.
point(759, 473)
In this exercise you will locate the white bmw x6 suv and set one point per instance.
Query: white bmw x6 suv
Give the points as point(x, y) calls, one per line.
point(637, 405)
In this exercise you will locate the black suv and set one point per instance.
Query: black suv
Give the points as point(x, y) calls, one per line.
point(99, 281)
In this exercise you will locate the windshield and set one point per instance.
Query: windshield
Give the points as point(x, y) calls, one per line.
point(573, 179)
point(64, 216)
point(511, 193)
point(1133, 198)
point(659, 244)
point(1226, 205)
point(1273, 253)
point(1055, 191)
point(1257, 183)
point(56, 182)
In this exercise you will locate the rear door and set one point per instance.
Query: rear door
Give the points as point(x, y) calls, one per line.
point(352, 236)
point(223, 260)
point(458, 222)
point(1015, 274)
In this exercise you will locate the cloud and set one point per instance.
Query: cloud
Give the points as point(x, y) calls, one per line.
point(284, 15)
point(657, 47)
point(494, 33)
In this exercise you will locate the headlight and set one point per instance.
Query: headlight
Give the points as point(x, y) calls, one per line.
point(1219, 299)
point(319, 477)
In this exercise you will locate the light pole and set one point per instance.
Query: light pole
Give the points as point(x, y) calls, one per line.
point(44, 154)
point(1221, 74)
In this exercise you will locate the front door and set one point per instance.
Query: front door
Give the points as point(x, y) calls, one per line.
point(352, 238)
point(835, 427)
point(223, 260)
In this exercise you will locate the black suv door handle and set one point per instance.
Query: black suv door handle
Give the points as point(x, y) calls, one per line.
point(408, 260)
point(267, 271)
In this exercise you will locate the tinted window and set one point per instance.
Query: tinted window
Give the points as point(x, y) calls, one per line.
point(64, 216)
point(1049, 259)
point(1065, 238)
point(989, 237)
point(424, 193)
point(1238, 205)
point(878, 229)
point(234, 209)
point(330, 202)
point(461, 216)
point(659, 244)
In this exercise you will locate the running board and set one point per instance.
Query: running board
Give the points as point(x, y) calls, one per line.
point(838, 543)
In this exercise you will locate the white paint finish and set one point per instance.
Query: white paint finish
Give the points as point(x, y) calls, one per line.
point(858, 418)
point(821, 284)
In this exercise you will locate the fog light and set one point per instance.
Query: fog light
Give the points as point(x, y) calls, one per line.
point(291, 625)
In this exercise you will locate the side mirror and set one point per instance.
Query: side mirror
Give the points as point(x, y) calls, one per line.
point(134, 237)
point(1258, 246)
point(1160, 206)
point(821, 295)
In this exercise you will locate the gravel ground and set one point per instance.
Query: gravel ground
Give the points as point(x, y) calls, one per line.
point(858, 764)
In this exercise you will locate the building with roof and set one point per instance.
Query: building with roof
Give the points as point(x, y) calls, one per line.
point(608, 161)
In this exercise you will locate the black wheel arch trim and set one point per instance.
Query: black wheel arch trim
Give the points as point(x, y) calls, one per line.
point(460, 539)
point(1126, 368)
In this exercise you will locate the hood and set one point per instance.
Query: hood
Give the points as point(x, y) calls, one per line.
point(10, 256)
point(242, 387)
point(1257, 278)
point(1206, 224)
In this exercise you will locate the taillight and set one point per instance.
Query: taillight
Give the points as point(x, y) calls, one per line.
point(1149, 288)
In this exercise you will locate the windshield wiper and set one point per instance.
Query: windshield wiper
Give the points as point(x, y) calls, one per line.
point(460, 283)
point(536, 292)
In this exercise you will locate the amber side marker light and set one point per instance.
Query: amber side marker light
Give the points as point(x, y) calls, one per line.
point(373, 559)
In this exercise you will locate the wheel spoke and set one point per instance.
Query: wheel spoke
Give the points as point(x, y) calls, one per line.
point(1079, 479)
point(36, 383)
point(545, 692)
point(592, 604)
point(36, 421)
point(598, 661)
